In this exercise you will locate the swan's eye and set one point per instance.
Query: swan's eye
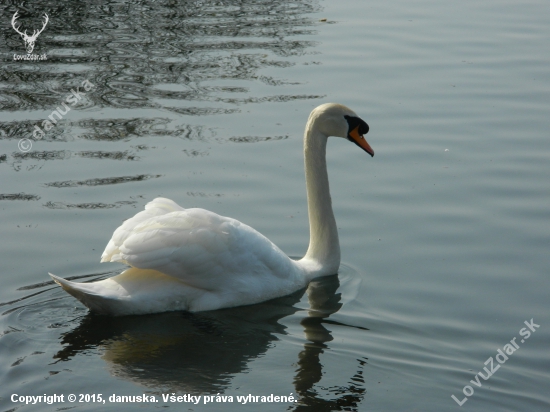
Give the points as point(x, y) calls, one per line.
point(354, 134)
point(356, 123)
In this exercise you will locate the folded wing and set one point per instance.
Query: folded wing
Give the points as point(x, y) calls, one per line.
point(199, 247)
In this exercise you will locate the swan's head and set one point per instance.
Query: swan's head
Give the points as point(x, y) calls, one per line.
point(334, 119)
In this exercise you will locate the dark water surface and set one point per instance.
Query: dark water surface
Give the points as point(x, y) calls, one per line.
point(444, 233)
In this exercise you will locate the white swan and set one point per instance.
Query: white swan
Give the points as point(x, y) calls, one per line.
point(196, 260)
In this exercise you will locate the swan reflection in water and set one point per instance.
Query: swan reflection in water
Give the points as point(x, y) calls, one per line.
point(200, 353)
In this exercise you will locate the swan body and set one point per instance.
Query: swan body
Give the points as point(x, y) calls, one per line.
point(196, 260)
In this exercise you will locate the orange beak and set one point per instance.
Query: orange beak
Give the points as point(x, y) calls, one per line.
point(360, 141)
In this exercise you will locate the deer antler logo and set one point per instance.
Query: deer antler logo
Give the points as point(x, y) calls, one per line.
point(29, 40)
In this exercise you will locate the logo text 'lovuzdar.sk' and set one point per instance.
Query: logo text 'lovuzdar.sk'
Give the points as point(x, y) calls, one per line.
point(501, 358)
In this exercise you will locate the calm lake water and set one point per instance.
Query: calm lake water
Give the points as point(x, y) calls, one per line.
point(444, 233)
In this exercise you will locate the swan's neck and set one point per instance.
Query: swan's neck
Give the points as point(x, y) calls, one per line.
point(323, 255)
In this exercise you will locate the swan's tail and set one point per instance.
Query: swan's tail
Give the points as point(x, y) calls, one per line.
point(133, 292)
point(87, 294)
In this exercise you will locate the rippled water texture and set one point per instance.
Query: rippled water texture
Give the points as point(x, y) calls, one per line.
point(444, 233)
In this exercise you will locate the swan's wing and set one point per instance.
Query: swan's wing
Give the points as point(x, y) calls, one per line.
point(158, 207)
point(199, 247)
